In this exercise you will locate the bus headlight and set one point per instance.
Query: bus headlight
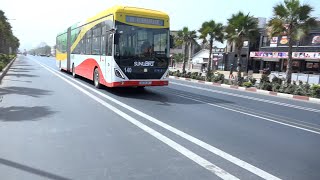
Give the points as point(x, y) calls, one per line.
point(118, 73)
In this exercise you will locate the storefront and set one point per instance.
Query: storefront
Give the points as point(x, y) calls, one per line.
point(305, 62)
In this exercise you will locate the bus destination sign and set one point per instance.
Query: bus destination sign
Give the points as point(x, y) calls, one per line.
point(141, 20)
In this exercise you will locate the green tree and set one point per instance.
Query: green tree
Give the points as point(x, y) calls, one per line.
point(211, 31)
point(178, 57)
point(241, 27)
point(294, 20)
point(186, 37)
point(7, 39)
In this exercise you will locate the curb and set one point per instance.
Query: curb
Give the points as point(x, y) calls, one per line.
point(253, 90)
point(5, 70)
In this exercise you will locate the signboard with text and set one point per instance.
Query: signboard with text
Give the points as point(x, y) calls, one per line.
point(274, 42)
point(295, 55)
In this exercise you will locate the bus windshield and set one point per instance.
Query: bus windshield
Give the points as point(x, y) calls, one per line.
point(141, 42)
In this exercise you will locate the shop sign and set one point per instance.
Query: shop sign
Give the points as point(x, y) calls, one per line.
point(274, 42)
point(295, 55)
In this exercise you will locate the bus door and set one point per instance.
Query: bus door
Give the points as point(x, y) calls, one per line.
point(108, 53)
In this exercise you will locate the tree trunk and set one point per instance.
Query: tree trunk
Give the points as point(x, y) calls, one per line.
point(210, 54)
point(239, 62)
point(289, 64)
point(189, 58)
point(184, 58)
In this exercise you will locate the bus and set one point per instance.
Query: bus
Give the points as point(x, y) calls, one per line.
point(119, 47)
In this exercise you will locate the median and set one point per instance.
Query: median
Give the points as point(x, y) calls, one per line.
point(274, 86)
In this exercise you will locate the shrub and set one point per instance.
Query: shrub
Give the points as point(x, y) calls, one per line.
point(188, 75)
point(264, 78)
point(218, 78)
point(266, 86)
point(315, 90)
point(247, 84)
point(302, 89)
point(277, 80)
point(276, 87)
point(209, 77)
point(290, 88)
point(177, 73)
point(253, 80)
point(202, 78)
point(194, 75)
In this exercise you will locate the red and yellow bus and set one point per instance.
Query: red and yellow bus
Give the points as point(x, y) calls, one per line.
point(121, 46)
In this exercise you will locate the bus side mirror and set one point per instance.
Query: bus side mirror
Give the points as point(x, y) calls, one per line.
point(116, 38)
point(171, 41)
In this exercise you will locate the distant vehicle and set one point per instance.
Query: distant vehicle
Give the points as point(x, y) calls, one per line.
point(122, 46)
point(43, 55)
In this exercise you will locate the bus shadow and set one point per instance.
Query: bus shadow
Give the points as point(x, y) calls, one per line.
point(163, 95)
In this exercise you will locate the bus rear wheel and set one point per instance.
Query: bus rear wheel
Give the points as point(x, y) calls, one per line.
point(96, 78)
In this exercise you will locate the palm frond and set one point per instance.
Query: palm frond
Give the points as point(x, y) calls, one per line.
point(304, 12)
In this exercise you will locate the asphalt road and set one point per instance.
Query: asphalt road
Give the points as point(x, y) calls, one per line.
point(53, 126)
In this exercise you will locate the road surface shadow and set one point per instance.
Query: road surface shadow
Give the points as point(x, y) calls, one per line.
point(22, 113)
point(23, 69)
point(18, 71)
point(20, 75)
point(32, 170)
point(5, 79)
point(33, 92)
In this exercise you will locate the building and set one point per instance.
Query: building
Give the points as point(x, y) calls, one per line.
point(273, 53)
point(248, 46)
point(201, 59)
point(180, 49)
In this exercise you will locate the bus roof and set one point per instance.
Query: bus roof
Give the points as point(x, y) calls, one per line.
point(124, 9)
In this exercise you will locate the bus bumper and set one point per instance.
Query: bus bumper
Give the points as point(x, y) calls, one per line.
point(138, 83)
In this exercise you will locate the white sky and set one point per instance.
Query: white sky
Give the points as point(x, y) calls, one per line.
point(40, 20)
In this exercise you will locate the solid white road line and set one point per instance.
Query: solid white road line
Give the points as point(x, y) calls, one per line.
point(184, 151)
point(232, 159)
point(248, 114)
point(248, 97)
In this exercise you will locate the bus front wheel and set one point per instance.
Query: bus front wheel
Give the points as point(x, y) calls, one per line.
point(96, 78)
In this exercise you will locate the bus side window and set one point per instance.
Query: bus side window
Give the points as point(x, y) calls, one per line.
point(103, 45)
point(103, 40)
point(109, 44)
point(88, 42)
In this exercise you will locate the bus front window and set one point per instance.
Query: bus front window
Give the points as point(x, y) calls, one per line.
point(141, 42)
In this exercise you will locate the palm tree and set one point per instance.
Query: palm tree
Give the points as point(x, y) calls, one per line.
point(241, 27)
point(186, 37)
point(293, 20)
point(210, 32)
point(178, 57)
